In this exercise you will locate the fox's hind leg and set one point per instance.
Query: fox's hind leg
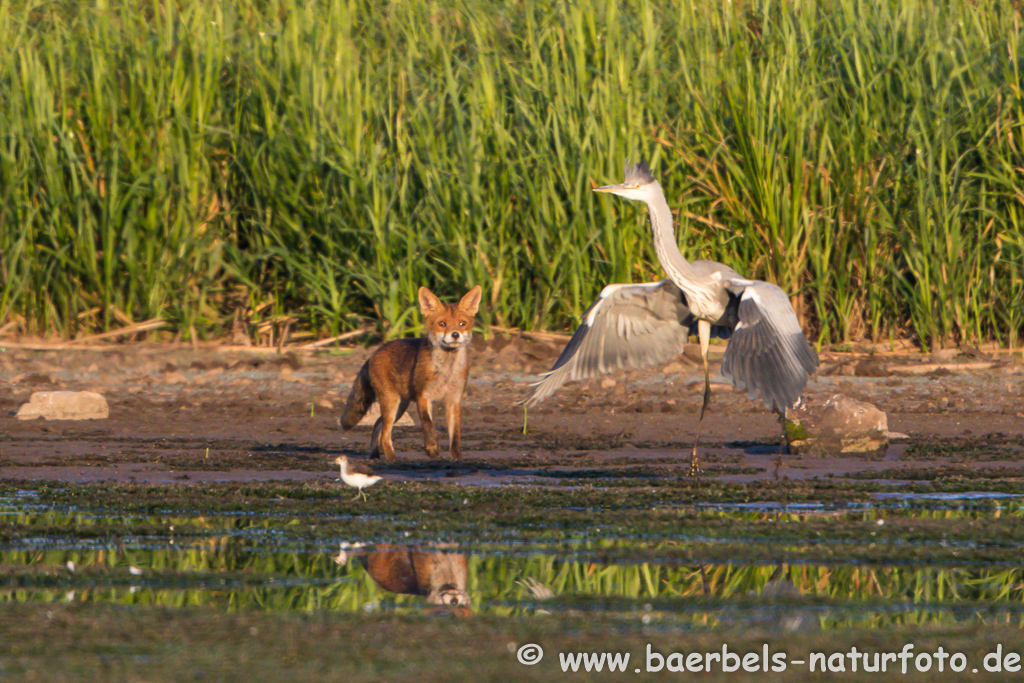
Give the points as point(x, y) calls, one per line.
point(427, 422)
point(391, 410)
point(375, 439)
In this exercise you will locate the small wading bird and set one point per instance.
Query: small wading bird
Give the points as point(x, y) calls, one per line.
point(638, 325)
point(357, 475)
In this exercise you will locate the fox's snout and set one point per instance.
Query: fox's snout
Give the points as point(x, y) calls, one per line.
point(456, 338)
point(452, 339)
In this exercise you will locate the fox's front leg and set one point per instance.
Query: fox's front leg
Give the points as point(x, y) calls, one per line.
point(453, 412)
point(426, 419)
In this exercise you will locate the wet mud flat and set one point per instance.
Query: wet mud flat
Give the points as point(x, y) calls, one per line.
point(199, 532)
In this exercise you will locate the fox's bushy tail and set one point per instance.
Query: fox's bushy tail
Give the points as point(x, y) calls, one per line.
point(359, 399)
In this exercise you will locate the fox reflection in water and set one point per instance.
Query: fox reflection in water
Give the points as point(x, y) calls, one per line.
point(440, 577)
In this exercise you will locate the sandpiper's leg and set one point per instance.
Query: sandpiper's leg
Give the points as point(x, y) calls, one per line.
point(704, 334)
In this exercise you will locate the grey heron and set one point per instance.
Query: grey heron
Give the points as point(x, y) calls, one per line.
point(638, 325)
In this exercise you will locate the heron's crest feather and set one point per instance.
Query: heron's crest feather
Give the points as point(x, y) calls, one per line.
point(639, 173)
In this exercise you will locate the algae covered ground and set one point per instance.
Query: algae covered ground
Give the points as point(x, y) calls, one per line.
point(274, 580)
point(200, 533)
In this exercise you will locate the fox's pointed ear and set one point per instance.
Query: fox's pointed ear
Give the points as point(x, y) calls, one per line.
point(429, 303)
point(471, 302)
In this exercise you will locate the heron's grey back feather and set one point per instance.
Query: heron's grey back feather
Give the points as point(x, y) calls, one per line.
point(768, 353)
point(707, 270)
point(628, 326)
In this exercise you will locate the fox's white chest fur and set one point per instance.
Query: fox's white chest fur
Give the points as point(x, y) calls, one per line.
point(449, 368)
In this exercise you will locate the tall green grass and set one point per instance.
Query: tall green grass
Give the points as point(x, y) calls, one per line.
point(207, 161)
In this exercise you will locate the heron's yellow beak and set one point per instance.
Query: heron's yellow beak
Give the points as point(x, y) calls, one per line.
point(612, 188)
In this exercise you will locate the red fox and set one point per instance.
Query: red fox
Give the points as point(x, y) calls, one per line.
point(440, 577)
point(421, 370)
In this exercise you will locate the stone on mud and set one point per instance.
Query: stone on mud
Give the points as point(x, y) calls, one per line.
point(836, 425)
point(64, 405)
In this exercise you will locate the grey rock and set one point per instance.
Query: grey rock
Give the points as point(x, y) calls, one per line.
point(835, 425)
point(64, 405)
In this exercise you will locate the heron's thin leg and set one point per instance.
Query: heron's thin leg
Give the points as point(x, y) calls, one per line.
point(782, 446)
point(358, 491)
point(704, 334)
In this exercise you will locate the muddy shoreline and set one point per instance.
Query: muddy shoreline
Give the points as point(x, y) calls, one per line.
point(181, 415)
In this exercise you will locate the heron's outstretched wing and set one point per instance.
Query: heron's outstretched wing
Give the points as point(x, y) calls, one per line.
point(768, 353)
point(629, 326)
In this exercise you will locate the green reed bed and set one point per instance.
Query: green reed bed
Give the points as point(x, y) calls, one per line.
point(217, 164)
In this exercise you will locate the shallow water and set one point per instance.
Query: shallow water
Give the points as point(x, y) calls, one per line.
point(268, 562)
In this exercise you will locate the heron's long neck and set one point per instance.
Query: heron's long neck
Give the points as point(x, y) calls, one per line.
point(665, 246)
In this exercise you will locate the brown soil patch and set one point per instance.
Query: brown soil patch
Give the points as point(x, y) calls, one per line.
point(213, 413)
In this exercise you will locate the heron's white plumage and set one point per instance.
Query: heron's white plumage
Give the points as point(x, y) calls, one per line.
point(633, 326)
